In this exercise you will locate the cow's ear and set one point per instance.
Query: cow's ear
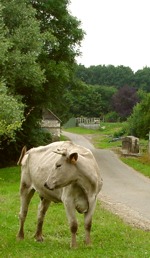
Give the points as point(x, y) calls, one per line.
point(73, 157)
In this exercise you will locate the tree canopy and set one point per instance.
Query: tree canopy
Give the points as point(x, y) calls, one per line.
point(106, 75)
point(39, 43)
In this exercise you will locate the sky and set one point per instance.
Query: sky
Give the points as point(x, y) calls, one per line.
point(117, 32)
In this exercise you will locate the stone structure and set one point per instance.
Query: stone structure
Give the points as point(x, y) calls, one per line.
point(51, 123)
point(130, 144)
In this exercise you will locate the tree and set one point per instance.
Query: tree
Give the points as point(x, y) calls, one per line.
point(142, 79)
point(58, 55)
point(40, 62)
point(85, 101)
point(124, 100)
point(106, 93)
point(11, 114)
point(139, 121)
point(11, 108)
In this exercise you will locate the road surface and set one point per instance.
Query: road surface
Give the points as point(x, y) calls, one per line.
point(125, 191)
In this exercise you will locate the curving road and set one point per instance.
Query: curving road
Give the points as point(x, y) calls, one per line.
point(122, 185)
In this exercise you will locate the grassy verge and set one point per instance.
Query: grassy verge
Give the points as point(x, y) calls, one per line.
point(140, 164)
point(80, 130)
point(111, 237)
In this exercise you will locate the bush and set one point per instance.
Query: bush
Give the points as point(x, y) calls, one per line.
point(112, 117)
point(139, 121)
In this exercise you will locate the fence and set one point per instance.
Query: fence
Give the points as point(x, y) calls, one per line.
point(90, 123)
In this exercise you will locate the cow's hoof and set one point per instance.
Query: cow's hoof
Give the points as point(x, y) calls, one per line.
point(73, 246)
point(39, 238)
point(20, 237)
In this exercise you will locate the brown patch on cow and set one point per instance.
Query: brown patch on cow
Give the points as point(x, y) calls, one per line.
point(23, 187)
point(74, 227)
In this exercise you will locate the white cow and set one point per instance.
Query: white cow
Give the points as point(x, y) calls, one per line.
point(60, 172)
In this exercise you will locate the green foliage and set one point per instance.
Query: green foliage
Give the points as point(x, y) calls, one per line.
point(106, 75)
point(59, 50)
point(23, 73)
point(112, 117)
point(110, 236)
point(4, 43)
point(39, 42)
point(39, 137)
point(142, 79)
point(85, 101)
point(139, 121)
point(11, 114)
point(88, 100)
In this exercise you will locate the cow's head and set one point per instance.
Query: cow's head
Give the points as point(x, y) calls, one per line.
point(64, 171)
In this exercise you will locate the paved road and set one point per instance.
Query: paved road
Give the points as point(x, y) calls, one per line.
point(122, 184)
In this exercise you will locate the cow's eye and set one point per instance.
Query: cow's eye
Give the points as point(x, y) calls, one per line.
point(58, 165)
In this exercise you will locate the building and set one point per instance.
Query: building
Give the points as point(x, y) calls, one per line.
point(51, 123)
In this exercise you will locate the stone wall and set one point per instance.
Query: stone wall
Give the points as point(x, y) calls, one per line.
point(54, 127)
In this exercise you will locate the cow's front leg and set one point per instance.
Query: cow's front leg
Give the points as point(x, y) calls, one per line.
point(43, 207)
point(71, 215)
point(87, 225)
point(73, 229)
point(25, 196)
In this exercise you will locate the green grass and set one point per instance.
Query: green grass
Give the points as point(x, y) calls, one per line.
point(110, 236)
point(80, 130)
point(138, 164)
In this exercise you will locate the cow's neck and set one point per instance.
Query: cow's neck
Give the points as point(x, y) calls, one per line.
point(87, 176)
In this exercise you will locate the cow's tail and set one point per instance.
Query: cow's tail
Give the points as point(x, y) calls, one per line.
point(23, 152)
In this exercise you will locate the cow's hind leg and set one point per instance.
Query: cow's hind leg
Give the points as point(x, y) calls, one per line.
point(43, 207)
point(26, 195)
point(88, 221)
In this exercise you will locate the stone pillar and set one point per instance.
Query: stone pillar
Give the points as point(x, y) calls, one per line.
point(130, 144)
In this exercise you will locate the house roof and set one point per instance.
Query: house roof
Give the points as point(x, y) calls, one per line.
point(47, 113)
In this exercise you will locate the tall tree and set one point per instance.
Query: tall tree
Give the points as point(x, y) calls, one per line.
point(58, 55)
point(44, 39)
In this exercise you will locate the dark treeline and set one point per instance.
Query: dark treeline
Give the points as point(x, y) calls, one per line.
point(114, 76)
